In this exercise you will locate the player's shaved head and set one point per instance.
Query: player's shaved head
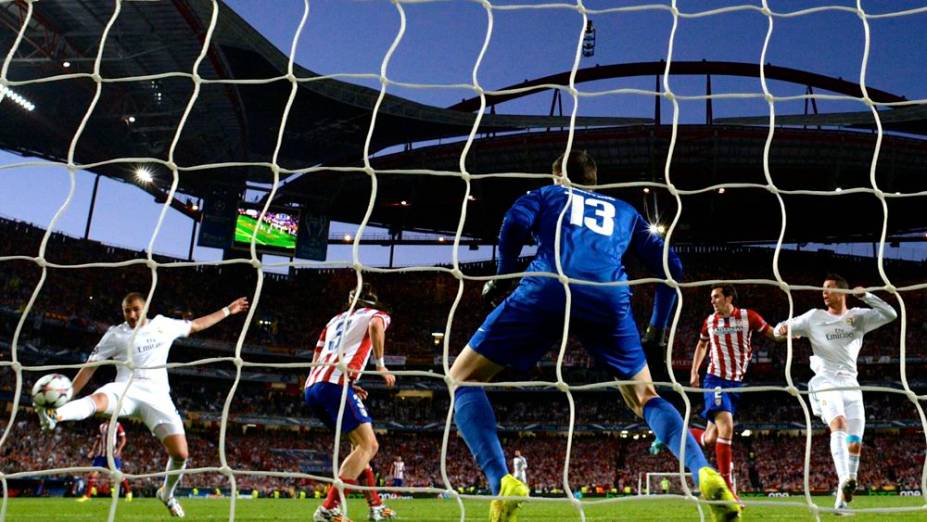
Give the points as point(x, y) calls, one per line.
point(131, 297)
point(132, 305)
point(580, 167)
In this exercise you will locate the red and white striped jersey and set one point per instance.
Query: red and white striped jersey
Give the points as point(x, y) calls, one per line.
point(350, 334)
point(729, 338)
point(99, 445)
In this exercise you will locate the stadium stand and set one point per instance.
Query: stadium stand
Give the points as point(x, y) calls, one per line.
point(77, 305)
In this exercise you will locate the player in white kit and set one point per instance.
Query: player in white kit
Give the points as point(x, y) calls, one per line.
point(145, 344)
point(836, 336)
point(351, 337)
point(520, 467)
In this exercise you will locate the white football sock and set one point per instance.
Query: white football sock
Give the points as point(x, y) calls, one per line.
point(77, 410)
point(853, 465)
point(170, 481)
point(838, 450)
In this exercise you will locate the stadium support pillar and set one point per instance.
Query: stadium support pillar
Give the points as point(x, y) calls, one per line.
point(709, 112)
point(199, 204)
point(93, 202)
point(656, 102)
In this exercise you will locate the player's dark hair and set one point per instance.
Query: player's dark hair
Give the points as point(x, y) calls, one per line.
point(133, 296)
point(839, 279)
point(727, 291)
point(367, 297)
point(579, 166)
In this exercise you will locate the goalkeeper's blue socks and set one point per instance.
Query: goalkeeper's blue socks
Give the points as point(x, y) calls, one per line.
point(476, 422)
point(667, 426)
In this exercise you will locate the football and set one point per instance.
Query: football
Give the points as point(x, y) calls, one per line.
point(52, 391)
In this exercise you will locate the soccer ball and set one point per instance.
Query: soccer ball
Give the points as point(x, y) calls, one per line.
point(52, 391)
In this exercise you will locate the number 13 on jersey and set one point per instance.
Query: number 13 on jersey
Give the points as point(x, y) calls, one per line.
point(604, 220)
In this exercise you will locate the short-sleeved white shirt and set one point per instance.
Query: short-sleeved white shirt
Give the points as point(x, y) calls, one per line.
point(150, 348)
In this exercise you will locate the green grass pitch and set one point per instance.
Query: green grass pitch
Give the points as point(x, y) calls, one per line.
point(267, 236)
point(434, 510)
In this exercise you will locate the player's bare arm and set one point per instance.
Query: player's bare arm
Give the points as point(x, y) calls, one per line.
point(701, 349)
point(119, 445)
point(82, 378)
point(770, 333)
point(235, 307)
point(377, 331)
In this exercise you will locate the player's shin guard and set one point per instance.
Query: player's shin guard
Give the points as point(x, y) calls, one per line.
point(853, 458)
point(367, 478)
point(477, 424)
point(170, 481)
point(667, 425)
point(723, 457)
point(77, 410)
point(838, 450)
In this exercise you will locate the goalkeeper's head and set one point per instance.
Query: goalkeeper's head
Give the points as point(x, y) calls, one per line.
point(132, 305)
point(579, 166)
point(367, 297)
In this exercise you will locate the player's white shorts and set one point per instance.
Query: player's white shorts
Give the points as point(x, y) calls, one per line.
point(153, 406)
point(828, 405)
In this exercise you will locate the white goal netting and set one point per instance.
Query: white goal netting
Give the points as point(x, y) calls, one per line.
point(453, 339)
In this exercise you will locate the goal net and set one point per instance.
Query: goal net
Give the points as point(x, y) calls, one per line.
point(377, 109)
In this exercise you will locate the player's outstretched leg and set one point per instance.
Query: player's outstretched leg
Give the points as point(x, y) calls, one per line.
point(176, 446)
point(78, 409)
point(667, 426)
point(476, 423)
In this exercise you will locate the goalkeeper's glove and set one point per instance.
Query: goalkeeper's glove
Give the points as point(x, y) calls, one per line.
point(654, 337)
point(496, 290)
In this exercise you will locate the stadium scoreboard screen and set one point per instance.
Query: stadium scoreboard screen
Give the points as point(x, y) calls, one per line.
point(277, 232)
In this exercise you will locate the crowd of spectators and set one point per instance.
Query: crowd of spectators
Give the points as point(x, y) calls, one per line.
point(292, 309)
point(76, 305)
point(762, 463)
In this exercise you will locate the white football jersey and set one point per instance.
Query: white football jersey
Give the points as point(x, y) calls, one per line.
point(836, 340)
point(520, 465)
point(399, 469)
point(350, 335)
point(151, 347)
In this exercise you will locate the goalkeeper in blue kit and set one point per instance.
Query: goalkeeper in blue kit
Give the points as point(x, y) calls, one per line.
point(595, 232)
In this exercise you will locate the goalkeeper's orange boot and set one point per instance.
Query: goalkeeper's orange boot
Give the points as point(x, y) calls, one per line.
point(713, 488)
point(505, 510)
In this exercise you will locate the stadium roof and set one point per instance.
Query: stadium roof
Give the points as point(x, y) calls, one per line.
point(157, 43)
point(160, 42)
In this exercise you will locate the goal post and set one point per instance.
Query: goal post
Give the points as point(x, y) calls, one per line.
point(651, 483)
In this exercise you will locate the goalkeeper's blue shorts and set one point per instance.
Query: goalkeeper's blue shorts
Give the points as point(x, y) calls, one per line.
point(518, 334)
point(716, 402)
point(324, 400)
